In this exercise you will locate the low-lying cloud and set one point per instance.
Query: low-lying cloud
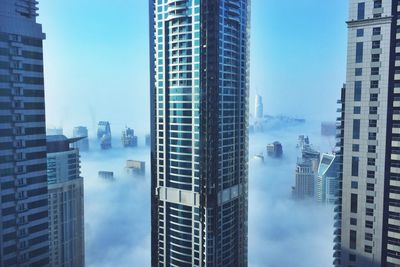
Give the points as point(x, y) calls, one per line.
point(282, 232)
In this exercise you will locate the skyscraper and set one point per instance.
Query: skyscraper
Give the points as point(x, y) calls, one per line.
point(128, 138)
point(104, 134)
point(259, 108)
point(82, 144)
point(368, 213)
point(65, 185)
point(23, 180)
point(326, 179)
point(199, 99)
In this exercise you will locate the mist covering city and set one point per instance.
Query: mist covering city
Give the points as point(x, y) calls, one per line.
point(117, 212)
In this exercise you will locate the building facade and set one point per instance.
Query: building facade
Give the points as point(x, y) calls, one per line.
point(367, 220)
point(23, 180)
point(66, 205)
point(199, 99)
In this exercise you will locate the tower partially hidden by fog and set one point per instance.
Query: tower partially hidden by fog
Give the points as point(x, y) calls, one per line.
point(368, 206)
point(199, 98)
point(24, 233)
point(258, 107)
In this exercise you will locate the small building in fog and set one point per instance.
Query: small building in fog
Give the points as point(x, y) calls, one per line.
point(135, 167)
point(275, 150)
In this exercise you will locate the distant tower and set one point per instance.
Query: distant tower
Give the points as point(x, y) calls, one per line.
point(305, 178)
point(66, 216)
point(326, 179)
point(128, 138)
point(259, 108)
point(82, 144)
point(104, 134)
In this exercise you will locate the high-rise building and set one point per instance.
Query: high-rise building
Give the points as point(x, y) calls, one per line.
point(368, 208)
point(81, 144)
point(128, 138)
point(259, 108)
point(305, 179)
point(326, 179)
point(104, 134)
point(306, 170)
point(23, 180)
point(199, 99)
point(66, 210)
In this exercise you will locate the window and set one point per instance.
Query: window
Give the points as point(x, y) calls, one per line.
point(369, 212)
point(368, 249)
point(370, 174)
point(354, 184)
point(353, 221)
point(359, 52)
point(376, 44)
point(375, 71)
point(369, 224)
point(374, 84)
point(375, 57)
point(356, 129)
point(376, 31)
point(370, 199)
point(371, 162)
point(370, 187)
point(352, 257)
point(371, 136)
point(356, 148)
point(368, 236)
point(371, 149)
point(354, 166)
point(358, 71)
point(361, 11)
point(360, 32)
point(353, 239)
point(357, 90)
point(373, 97)
point(373, 110)
point(357, 110)
point(354, 203)
point(377, 3)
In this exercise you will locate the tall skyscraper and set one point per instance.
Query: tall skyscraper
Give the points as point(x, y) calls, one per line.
point(326, 179)
point(200, 94)
point(104, 134)
point(305, 180)
point(23, 181)
point(368, 210)
point(259, 108)
point(66, 216)
point(82, 144)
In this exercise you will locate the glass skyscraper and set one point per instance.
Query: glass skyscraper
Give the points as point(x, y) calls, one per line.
point(199, 113)
point(24, 233)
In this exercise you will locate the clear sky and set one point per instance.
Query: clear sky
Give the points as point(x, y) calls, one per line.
point(96, 60)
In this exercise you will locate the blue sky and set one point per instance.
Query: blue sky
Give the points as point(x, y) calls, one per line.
point(96, 60)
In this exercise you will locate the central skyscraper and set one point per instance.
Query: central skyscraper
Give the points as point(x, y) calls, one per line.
point(199, 104)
